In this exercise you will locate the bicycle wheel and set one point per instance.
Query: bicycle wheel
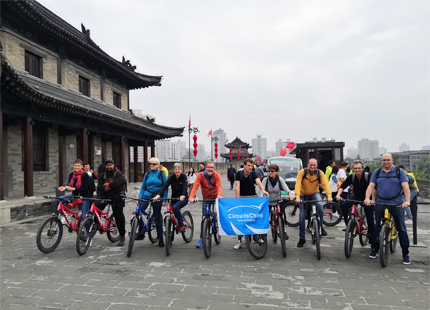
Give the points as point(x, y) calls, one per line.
point(188, 234)
point(133, 231)
point(207, 237)
point(331, 218)
point(215, 230)
point(315, 227)
point(349, 237)
point(168, 232)
point(292, 214)
point(152, 229)
point(112, 233)
point(281, 229)
point(384, 243)
point(83, 240)
point(364, 237)
point(393, 241)
point(273, 228)
point(49, 234)
point(257, 246)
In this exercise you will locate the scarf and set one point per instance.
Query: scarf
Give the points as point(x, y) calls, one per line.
point(77, 176)
point(274, 181)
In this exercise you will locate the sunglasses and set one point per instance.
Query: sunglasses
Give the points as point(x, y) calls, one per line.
point(152, 164)
point(273, 171)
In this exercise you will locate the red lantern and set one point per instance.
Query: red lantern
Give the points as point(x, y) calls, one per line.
point(231, 150)
point(195, 138)
point(216, 150)
point(231, 157)
point(195, 145)
point(247, 155)
point(195, 153)
point(216, 144)
point(216, 155)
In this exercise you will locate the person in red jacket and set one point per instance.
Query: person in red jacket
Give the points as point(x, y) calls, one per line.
point(211, 188)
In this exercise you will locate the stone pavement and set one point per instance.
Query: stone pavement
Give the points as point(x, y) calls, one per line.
point(105, 278)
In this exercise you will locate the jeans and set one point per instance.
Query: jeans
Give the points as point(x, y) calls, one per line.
point(368, 211)
point(177, 211)
point(302, 217)
point(85, 206)
point(414, 193)
point(399, 219)
point(157, 215)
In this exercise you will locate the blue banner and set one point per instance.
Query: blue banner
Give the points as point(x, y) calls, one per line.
point(243, 216)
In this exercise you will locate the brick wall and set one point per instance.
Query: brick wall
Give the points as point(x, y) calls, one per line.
point(424, 186)
point(13, 173)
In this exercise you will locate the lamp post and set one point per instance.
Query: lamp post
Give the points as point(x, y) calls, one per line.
point(213, 139)
point(191, 130)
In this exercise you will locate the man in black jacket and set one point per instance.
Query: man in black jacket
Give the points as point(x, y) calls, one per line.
point(111, 186)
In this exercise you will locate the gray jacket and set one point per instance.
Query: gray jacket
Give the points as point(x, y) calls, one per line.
point(275, 192)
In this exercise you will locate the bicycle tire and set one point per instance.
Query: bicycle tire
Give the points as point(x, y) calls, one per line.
point(133, 231)
point(188, 234)
point(215, 229)
point(273, 227)
point(47, 241)
point(292, 214)
point(152, 229)
point(316, 227)
point(83, 239)
point(393, 242)
point(349, 237)
point(207, 237)
point(364, 237)
point(329, 218)
point(112, 235)
point(281, 228)
point(168, 234)
point(255, 248)
point(384, 245)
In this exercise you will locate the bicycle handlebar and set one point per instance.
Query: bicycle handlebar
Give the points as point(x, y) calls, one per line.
point(204, 200)
point(94, 199)
point(59, 198)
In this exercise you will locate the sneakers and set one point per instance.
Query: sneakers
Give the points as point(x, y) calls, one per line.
point(408, 222)
point(323, 232)
point(286, 237)
point(182, 229)
point(336, 214)
point(160, 243)
point(200, 243)
point(301, 243)
point(238, 245)
point(406, 260)
point(121, 241)
point(374, 254)
point(139, 237)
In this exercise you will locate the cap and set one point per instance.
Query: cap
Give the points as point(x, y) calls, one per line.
point(109, 161)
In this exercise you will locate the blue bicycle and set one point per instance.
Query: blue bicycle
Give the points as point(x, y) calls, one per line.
point(210, 227)
point(139, 216)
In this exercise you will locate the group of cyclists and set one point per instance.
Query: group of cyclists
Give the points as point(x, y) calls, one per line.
point(386, 185)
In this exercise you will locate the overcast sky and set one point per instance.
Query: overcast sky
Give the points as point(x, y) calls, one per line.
point(343, 70)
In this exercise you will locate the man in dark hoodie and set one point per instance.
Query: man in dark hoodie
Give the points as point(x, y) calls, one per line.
point(111, 186)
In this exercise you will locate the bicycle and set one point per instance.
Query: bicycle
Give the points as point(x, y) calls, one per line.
point(277, 226)
point(387, 234)
point(332, 214)
point(94, 221)
point(50, 232)
point(148, 226)
point(210, 227)
point(256, 245)
point(171, 225)
point(314, 226)
point(357, 225)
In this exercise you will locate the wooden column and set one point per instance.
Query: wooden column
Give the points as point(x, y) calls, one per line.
point(136, 165)
point(122, 154)
point(28, 157)
point(59, 70)
point(153, 149)
point(60, 158)
point(145, 157)
point(84, 145)
point(1, 157)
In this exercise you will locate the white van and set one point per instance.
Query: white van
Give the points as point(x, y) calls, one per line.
point(289, 167)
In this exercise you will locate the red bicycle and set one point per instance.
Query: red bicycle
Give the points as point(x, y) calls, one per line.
point(51, 231)
point(96, 220)
point(357, 225)
point(277, 226)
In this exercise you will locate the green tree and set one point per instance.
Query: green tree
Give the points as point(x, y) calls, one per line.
point(423, 164)
point(374, 166)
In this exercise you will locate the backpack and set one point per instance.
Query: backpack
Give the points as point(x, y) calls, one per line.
point(400, 193)
point(305, 173)
point(241, 175)
point(366, 177)
point(160, 176)
point(124, 185)
point(231, 171)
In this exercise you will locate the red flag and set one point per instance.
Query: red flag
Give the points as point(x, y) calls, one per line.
point(226, 141)
point(283, 151)
point(189, 124)
point(210, 133)
point(290, 145)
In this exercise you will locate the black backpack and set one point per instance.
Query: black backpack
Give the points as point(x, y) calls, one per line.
point(367, 176)
point(231, 171)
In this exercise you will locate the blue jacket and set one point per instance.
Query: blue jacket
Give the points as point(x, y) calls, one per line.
point(152, 185)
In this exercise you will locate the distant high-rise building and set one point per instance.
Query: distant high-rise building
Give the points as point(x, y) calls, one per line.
point(368, 149)
point(167, 150)
point(382, 150)
point(259, 146)
point(404, 147)
point(222, 137)
point(352, 152)
point(201, 155)
point(426, 147)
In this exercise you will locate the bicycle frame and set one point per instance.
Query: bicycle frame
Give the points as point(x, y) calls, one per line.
point(65, 212)
point(358, 217)
point(142, 214)
point(389, 222)
point(98, 213)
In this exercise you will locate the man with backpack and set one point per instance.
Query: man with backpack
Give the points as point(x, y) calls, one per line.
point(307, 185)
point(245, 187)
point(392, 187)
point(111, 186)
point(230, 174)
point(359, 181)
